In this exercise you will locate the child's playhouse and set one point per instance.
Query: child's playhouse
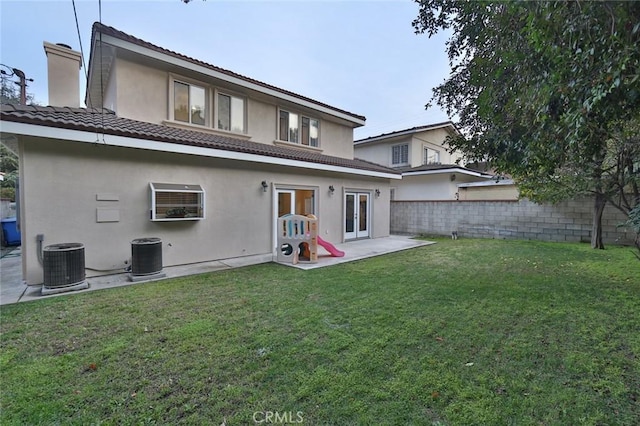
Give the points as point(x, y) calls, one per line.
point(298, 240)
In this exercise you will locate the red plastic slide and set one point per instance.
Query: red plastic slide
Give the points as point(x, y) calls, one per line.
point(330, 248)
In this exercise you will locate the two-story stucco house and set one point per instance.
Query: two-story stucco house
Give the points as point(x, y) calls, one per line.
point(171, 147)
point(429, 170)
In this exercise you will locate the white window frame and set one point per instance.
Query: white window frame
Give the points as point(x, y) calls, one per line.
point(301, 118)
point(400, 162)
point(207, 102)
point(426, 155)
point(310, 119)
point(216, 95)
point(193, 211)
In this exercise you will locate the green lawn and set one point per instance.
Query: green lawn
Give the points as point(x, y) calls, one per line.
point(458, 333)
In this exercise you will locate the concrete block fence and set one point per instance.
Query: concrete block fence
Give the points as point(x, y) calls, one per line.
point(522, 219)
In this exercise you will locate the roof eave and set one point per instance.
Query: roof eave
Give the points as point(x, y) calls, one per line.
point(179, 61)
point(461, 170)
point(451, 128)
point(15, 128)
point(492, 182)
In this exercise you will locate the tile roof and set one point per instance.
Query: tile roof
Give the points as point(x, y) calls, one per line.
point(437, 167)
point(408, 131)
point(107, 122)
point(107, 30)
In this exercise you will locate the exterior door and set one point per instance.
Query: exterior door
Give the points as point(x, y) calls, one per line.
point(292, 201)
point(295, 201)
point(286, 202)
point(356, 213)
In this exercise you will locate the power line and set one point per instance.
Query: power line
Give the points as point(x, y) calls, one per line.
point(75, 14)
point(86, 71)
point(22, 83)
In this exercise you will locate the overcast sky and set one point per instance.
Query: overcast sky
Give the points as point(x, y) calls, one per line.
point(361, 56)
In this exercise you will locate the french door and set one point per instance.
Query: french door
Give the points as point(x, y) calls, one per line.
point(356, 213)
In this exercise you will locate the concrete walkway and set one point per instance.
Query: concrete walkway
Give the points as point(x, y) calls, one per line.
point(13, 290)
point(11, 286)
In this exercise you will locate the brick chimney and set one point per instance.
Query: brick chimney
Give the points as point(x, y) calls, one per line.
point(63, 69)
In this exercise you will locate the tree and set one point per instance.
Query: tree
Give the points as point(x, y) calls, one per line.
point(547, 92)
point(634, 223)
point(9, 94)
point(9, 167)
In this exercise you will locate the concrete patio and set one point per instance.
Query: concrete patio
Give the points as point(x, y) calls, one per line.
point(13, 290)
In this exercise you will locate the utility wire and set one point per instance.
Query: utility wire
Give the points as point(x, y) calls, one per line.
point(75, 14)
point(101, 71)
point(86, 72)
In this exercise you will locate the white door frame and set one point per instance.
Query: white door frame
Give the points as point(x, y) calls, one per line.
point(357, 232)
point(288, 189)
point(292, 192)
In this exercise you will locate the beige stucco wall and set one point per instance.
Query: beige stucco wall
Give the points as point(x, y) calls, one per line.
point(434, 139)
point(262, 121)
point(63, 65)
point(336, 139)
point(141, 92)
point(373, 152)
point(431, 186)
point(494, 192)
point(61, 181)
point(380, 152)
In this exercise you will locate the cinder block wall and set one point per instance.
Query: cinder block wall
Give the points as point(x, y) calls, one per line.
point(523, 219)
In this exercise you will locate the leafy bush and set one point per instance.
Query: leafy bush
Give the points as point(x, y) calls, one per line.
point(9, 193)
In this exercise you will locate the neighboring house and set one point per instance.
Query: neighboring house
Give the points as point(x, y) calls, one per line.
point(175, 148)
point(494, 189)
point(429, 170)
point(7, 209)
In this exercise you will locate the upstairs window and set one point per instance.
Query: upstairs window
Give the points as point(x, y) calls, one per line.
point(299, 129)
point(189, 103)
point(400, 154)
point(310, 131)
point(231, 113)
point(288, 126)
point(431, 156)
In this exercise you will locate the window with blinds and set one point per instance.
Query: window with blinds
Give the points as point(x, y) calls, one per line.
point(171, 201)
point(400, 155)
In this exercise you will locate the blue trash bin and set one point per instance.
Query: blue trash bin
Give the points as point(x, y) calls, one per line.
point(10, 233)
